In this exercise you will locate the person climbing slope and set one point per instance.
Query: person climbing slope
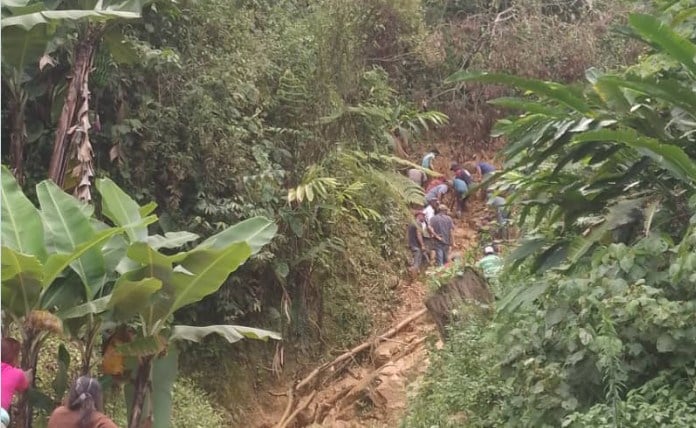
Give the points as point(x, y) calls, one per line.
point(428, 159)
point(417, 176)
point(13, 379)
point(442, 226)
point(491, 264)
point(484, 170)
point(461, 182)
point(436, 192)
point(416, 243)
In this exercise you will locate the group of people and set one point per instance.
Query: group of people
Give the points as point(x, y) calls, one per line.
point(432, 230)
point(82, 408)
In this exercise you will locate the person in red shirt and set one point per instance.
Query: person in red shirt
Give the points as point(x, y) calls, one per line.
point(13, 379)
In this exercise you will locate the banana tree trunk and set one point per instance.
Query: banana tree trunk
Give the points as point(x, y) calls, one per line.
point(18, 130)
point(31, 346)
point(73, 124)
point(141, 389)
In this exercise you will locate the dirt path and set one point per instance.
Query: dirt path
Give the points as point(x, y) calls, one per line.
point(371, 388)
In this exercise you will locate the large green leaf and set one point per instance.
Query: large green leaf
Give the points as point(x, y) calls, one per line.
point(123, 210)
point(550, 90)
point(67, 227)
point(669, 90)
point(256, 231)
point(22, 49)
point(666, 156)
point(21, 281)
point(30, 20)
point(132, 297)
point(207, 270)
point(231, 333)
point(93, 307)
point(22, 229)
point(171, 239)
point(655, 31)
point(58, 262)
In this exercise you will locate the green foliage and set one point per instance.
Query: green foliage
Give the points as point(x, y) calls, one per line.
point(191, 407)
point(626, 136)
point(596, 329)
point(462, 387)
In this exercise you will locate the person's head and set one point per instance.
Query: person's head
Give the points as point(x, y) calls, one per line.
point(489, 250)
point(454, 166)
point(420, 216)
point(442, 209)
point(86, 396)
point(10, 351)
point(435, 151)
point(433, 203)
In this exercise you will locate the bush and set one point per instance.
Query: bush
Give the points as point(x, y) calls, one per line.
point(191, 407)
point(463, 385)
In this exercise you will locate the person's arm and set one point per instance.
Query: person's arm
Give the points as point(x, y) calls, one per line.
point(419, 236)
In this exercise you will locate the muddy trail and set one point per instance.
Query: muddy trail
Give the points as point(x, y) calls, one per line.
point(369, 385)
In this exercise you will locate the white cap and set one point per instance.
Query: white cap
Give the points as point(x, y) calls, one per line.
point(488, 250)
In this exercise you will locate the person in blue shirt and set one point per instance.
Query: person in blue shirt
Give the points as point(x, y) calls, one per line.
point(484, 170)
point(427, 161)
point(462, 181)
point(436, 193)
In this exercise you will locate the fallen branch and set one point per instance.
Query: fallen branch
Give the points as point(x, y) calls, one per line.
point(288, 407)
point(301, 407)
point(360, 348)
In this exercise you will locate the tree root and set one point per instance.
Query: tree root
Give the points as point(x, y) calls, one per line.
point(363, 346)
point(347, 394)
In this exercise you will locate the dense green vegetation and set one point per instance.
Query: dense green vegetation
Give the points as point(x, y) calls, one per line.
point(597, 325)
point(303, 112)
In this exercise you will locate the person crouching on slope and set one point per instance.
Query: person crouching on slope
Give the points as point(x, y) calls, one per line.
point(461, 183)
point(416, 243)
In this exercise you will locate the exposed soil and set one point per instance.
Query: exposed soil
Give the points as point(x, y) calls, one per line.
point(371, 387)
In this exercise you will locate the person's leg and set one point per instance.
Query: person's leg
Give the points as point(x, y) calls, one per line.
point(439, 254)
point(445, 253)
point(417, 258)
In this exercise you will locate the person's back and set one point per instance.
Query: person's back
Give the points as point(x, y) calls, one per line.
point(436, 192)
point(442, 225)
point(491, 265)
point(414, 229)
point(12, 378)
point(417, 176)
point(486, 168)
point(427, 161)
point(83, 407)
point(63, 417)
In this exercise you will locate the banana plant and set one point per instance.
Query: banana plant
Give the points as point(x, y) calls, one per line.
point(152, 285)
point(599, 161)
point(41, 251)
point(28, 28)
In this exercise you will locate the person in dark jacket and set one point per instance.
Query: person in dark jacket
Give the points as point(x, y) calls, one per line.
point(442, 226)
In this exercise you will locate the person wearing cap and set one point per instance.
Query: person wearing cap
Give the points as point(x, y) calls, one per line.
point(491, 264)
point(427, 161)
point(415, 241)
point(442, 226)
point(462, 181)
